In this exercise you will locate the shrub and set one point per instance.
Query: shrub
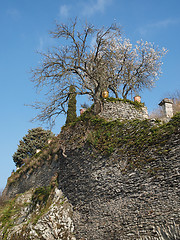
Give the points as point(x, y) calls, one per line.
point(36, 138)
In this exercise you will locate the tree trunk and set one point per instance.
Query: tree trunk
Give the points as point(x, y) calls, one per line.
point(97, 101)
point(97, 106)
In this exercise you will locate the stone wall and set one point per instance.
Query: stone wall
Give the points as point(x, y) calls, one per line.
point(123, 110)
point(109, 203)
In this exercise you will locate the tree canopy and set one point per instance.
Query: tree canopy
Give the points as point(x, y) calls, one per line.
point(36, 138)
point(93, 60)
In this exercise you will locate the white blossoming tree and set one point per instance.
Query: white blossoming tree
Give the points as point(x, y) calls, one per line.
point(93, 60)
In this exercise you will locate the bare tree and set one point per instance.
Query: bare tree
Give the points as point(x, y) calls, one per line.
point(175, 96)
point(93, 60)
point(176, 101)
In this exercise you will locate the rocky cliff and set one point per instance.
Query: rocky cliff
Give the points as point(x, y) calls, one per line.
point(98, 180)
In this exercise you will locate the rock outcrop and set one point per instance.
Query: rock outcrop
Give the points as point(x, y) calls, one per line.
point(120, 180)
point(39, 220)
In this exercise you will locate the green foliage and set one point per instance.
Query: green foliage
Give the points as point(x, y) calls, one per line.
point(6, 213)
point(2, 201)
point(133, 137)
point(11, 211)
point(36, 138)
point(71, 112)
point(41, 195)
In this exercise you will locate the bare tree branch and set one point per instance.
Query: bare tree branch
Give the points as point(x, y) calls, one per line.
point(93, 60)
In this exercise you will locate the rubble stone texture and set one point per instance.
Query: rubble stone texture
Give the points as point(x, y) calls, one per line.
point(123, 110)
point(109, 200)
point(55, 223)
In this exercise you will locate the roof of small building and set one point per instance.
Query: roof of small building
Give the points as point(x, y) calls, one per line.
point(165, 100)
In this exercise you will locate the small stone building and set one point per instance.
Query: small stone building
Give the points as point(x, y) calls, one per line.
point(167, 106)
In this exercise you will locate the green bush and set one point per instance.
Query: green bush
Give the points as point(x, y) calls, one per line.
point(36, 138)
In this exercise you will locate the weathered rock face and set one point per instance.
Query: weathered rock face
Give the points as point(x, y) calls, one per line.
point(123, 110)
point(110, 198)
point(29, 222)
point(110, 204)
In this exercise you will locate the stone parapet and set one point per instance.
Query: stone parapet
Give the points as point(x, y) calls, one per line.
point(123, 110)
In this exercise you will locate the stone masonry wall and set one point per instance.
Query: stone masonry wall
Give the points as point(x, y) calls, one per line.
point(123, 110)
point(107, 202)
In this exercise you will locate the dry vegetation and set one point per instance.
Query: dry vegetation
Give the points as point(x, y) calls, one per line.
point(2, 201)
point(158, 113)
point(176, 99)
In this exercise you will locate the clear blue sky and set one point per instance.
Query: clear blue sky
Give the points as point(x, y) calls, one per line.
point(24, 29)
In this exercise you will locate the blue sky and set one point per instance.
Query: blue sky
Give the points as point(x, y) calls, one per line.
point(25, 27)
